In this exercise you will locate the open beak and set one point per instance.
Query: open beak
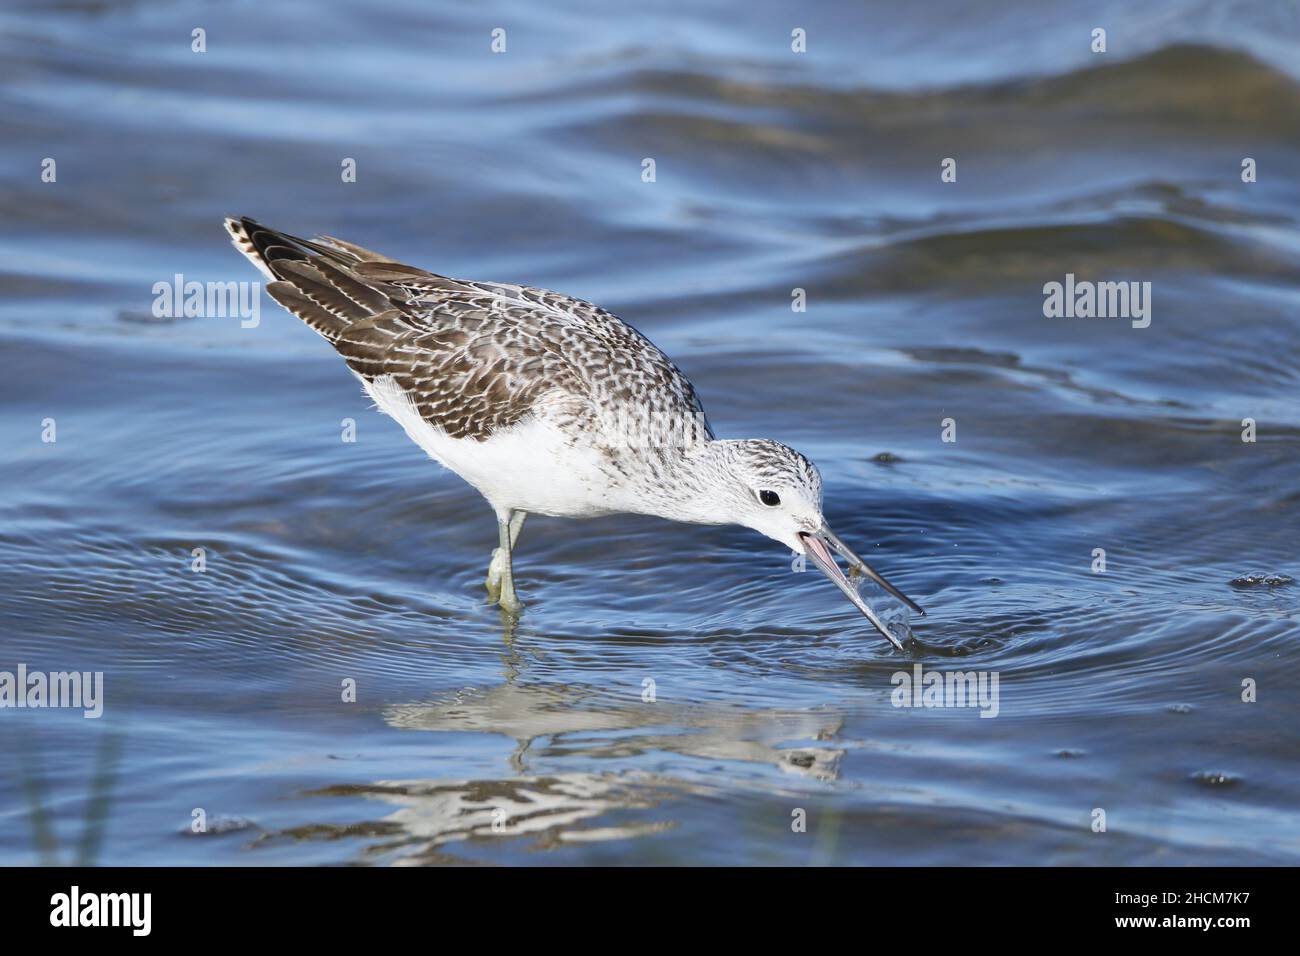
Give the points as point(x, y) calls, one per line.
point(818, 545)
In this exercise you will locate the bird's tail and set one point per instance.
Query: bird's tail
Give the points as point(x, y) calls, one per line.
point(316, 280)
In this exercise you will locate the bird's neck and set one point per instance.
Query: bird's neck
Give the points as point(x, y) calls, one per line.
point(682, 483)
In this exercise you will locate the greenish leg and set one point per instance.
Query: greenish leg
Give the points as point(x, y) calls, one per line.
point(516, 525)
point(500, 578)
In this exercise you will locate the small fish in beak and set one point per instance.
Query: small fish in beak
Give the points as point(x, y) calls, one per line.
point(818, 545)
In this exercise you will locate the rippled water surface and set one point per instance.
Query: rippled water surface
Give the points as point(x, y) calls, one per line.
point(331, 561)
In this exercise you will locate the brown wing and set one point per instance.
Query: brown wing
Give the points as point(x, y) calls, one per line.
point(474, 356)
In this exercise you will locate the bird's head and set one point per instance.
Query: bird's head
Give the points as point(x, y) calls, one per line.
point(772, 489)
point(776, 491)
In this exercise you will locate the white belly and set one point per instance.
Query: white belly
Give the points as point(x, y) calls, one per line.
point(531, 466)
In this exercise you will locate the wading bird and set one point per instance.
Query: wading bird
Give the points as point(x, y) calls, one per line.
point(544, 403)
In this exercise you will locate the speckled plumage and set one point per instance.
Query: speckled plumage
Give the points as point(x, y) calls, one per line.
point(475, 356)
point(478, 359)
point(544, 403)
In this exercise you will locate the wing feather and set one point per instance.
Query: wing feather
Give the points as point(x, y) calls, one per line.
point(475, 357)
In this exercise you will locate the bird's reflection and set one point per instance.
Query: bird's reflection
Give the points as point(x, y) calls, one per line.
point(556, 791)
point(576, 721)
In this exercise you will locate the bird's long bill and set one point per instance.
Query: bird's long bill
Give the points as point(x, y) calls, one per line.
point(868, 570)
point(818, 547)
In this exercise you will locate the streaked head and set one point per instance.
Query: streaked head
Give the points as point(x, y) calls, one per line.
point(778, 492)
point(772, 489)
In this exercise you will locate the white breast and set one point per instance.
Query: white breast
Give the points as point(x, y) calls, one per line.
point(532, 466)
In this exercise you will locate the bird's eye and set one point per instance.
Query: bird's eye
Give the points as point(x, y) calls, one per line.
point(769, 498)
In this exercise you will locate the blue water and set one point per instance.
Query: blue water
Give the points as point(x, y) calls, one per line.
point(330, 561)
